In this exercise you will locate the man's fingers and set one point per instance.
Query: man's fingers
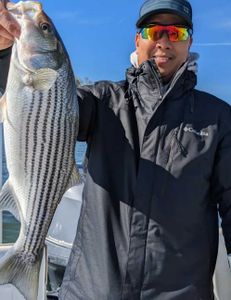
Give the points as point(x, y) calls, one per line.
point(8, 22)
point(3, 3)
point(9, 27)
point(5, 34)
point(5, 43)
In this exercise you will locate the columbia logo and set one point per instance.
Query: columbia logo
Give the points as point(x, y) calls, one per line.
point(200, 133)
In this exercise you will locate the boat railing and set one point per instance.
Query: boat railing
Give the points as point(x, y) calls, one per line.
point(1, 159)
point(0, 227)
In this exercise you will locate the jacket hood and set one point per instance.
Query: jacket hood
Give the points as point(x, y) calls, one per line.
point(191, 61)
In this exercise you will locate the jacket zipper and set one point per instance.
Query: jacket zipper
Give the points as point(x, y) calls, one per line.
point(175, 78)
point(157, 82)
point(160, 97)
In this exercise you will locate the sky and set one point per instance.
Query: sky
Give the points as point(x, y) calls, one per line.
point(99, 37)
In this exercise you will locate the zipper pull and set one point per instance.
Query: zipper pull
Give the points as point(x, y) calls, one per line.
point(181, 147)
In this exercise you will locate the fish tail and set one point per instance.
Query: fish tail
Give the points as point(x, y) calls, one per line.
point(21, 270)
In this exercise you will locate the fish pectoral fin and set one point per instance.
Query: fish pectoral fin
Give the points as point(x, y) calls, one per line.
point(9, 201)
point(2, 108)
point(43, 79)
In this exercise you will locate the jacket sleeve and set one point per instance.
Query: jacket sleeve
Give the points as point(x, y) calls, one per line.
point(4, 67)
point(221, 178)
point(87, 110)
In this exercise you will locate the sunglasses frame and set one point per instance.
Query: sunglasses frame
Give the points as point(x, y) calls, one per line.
point(190, 30)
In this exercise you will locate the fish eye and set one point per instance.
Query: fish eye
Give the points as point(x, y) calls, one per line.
point(45, 27)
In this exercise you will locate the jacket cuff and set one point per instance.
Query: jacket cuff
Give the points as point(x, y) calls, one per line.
point(5, 52)
point(4, 67)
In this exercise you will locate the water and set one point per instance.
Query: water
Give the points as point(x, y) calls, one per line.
point(11, 226)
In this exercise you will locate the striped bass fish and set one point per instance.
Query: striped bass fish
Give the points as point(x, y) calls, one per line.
point(40, 113)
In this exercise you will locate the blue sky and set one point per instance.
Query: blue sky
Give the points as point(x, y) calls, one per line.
point(99, 36)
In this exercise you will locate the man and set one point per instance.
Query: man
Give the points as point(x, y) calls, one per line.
point(159, 165)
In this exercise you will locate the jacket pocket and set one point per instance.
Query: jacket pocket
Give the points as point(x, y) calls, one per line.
point(193, 142)
point(176, 148)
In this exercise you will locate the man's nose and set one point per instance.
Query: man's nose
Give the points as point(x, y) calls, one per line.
point(163, 41)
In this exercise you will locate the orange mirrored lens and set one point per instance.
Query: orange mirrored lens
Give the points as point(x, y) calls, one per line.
point(175, 33)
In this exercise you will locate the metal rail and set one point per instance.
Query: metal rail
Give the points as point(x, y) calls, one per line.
point(1, 156)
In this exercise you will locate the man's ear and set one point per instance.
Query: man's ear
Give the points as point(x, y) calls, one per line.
point(137, 40)
point(190, 42)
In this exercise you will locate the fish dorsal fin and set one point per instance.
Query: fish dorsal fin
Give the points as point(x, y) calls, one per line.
point(8, 200)
point(43, 79)
point(2, 107)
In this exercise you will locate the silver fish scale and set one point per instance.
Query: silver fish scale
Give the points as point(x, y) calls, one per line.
point(40, 146)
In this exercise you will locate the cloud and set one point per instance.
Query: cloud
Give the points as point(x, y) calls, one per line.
point(220, 17)
point(78, 18)
point(66, 15)
point(212, 44)
point(211, 14)
point(224, 24)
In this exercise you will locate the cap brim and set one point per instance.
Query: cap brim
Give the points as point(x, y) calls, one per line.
point(141, 21)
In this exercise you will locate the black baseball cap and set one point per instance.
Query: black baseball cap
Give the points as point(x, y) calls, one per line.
point(181, 8)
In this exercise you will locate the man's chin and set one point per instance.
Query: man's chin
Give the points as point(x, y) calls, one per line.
point(166, 76)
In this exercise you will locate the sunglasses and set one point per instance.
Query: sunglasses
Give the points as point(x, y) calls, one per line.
point(176, 33)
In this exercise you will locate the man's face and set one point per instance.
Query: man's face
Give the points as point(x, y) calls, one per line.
point(169, 56)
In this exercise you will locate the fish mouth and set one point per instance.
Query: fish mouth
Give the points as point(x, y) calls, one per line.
point(29, 8)
point(28, 11)
point(38, 45)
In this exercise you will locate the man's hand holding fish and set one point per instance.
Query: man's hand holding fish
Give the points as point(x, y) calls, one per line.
point(9, 27)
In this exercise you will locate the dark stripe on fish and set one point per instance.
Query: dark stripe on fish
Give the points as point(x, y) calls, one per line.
point(32, 194)
point(41, 218)
point(28, 134)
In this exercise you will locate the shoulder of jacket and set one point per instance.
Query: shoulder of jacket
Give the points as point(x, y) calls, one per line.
point(215, 109)
point(212, 100)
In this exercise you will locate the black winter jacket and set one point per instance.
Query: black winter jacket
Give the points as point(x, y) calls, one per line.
point(159, 168)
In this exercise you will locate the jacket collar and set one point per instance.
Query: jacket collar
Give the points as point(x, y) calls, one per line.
point(146, 81)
